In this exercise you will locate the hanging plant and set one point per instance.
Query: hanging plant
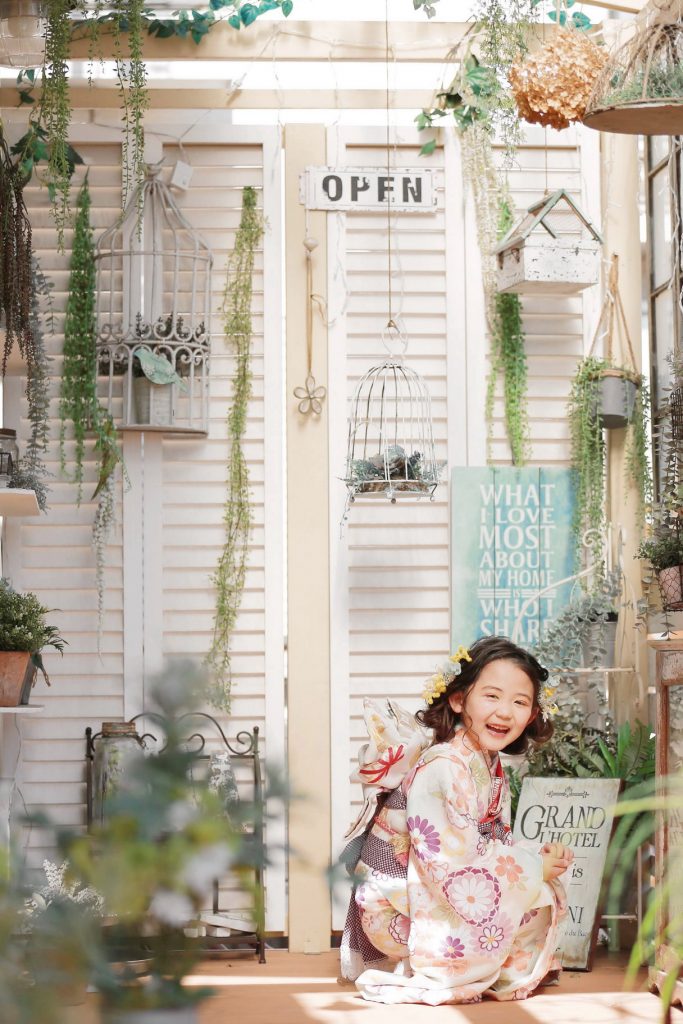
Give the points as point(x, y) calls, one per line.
point(508, 358)
point(46, 140)
point(230, 574)
point(588, 449)
point(22, 286)
point(78, 405)
point(15, 258)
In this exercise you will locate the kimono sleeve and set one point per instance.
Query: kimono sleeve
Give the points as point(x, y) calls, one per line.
point(483, 880)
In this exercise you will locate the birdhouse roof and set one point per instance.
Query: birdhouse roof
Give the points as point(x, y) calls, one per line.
point(534, 217)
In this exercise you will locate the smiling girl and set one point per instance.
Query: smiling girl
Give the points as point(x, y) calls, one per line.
point(443, 898)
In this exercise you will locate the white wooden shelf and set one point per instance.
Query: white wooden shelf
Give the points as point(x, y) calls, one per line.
point(22, 709)
point(600, 670)
point(14, 501)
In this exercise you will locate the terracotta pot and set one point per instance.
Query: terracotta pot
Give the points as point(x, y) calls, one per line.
point(671, 587)
point(17, 672)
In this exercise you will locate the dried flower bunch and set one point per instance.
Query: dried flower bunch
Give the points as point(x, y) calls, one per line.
point(552, 87)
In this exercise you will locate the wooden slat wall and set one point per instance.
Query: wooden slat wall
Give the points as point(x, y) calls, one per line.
point(390, 614)
point(52, 554)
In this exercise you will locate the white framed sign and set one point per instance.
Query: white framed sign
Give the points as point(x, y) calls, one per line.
point(577, 813)
point(405, 190)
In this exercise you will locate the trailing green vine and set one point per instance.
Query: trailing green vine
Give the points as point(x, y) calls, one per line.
point(588, 453)
point(508, 357)
point(46, 140)
point(78, 403)
point(230, 574)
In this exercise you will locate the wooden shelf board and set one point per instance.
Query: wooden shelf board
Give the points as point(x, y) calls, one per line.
point(17, 502)
point(22, 709)
point(139, 428)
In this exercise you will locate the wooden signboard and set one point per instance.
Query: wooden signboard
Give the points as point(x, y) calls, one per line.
point(512, 550)
point(404, 190)
point(577, 813)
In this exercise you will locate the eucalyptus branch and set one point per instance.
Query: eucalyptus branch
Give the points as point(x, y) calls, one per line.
point(230, 574)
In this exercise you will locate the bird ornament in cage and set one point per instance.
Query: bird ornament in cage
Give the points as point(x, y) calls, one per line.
point(390, 447)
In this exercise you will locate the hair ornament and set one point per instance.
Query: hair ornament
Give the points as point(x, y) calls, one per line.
point(445, 674)
point(546, 703)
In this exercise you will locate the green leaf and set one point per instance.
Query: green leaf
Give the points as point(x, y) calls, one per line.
point(248, 14)
point(581, 20)
point(216, 5)
point(234, 20)
point(51, 191)
point(428, 148)
point(26, 167)
point(563, 16)
point(287, 7)
point(26, 98)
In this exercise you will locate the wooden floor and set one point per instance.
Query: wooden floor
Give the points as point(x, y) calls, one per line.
point(295, 988)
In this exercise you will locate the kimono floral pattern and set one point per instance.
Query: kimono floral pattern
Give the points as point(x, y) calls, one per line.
point(478, 916)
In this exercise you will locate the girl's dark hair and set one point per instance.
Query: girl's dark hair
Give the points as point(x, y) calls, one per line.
point(440, 717)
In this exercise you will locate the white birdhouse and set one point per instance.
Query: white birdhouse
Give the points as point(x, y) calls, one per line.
point(549, 251)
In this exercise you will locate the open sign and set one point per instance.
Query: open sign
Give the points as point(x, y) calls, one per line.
point(361, 188)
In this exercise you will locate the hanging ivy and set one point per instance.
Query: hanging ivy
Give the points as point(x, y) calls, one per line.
point(78, 405)
point(15, 258)
point(508, 359)
point(46, 143)
point(229, 577)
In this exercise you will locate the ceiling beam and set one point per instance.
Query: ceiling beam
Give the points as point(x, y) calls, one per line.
point(183, 98)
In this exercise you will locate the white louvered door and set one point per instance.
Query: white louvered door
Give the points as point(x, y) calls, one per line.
point(390, 566)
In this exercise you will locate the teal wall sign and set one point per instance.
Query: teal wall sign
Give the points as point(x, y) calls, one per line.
point(511, 545)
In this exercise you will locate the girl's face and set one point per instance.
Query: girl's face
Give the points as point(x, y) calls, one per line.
point(498, 707)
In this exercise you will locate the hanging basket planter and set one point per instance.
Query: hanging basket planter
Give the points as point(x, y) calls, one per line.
point(390, 450)
point(532, 261)
point(552, 86)
point(640, 89)
point(616, 398)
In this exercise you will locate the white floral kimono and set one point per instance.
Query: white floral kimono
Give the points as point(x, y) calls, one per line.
point(473, 915)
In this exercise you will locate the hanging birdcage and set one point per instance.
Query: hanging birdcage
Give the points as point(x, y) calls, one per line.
point(154, 314)
point(391, 442)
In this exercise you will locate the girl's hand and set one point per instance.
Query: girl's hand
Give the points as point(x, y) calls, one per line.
point(556, 859)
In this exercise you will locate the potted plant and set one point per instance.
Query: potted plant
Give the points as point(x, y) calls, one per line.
point(154, 859)
point(664, 552)
point(25, 634)
point(605, 397)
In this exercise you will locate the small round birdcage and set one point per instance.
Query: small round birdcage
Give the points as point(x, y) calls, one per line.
point(390, 448)
point(640, 89)
point(154, 314)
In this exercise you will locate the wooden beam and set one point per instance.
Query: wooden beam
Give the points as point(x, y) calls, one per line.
point(300, 41)
point(84, 98)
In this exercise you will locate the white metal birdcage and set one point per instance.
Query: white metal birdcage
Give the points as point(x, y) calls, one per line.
point(154, 314)
point(391, 441)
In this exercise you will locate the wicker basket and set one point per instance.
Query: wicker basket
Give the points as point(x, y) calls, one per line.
point(671, 587)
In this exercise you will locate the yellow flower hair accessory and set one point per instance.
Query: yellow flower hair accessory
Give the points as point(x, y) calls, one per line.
point(546, 703)
point(445, 674)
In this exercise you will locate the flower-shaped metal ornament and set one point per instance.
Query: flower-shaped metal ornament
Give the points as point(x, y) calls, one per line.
point(311, 396)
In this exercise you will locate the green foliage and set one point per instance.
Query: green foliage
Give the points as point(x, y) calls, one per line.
point(23, 626)
point(588, 451)
point(157, 369)
point(15, 258)
point(663, 551)
point(229, 577)
point(78, 396)
point(78, 404)
point(508, 357)
point(587, 455)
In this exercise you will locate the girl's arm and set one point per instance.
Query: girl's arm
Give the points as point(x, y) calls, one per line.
point(449, 851)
